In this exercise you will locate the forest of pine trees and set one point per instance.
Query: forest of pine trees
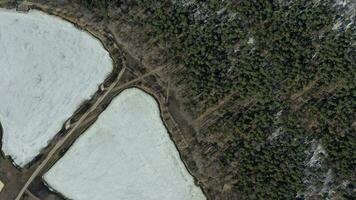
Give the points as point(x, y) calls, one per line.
point(295, 71)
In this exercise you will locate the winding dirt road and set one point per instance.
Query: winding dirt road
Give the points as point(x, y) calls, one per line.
point(63, 140)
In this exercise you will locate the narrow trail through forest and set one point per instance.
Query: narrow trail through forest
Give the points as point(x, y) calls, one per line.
point(139, 78)
point(32, 195)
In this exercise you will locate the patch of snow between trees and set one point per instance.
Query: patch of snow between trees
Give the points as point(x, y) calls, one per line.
point(318, 155)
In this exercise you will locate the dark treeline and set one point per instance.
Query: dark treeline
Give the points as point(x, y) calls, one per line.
point(285, 58)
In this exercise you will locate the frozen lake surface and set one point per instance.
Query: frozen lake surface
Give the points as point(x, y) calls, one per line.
point(47, 68)
point(126, 154)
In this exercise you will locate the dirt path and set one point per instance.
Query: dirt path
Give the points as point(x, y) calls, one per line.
point(201, 118)
point(31, 195)
point(63, 140)
point(139, 78)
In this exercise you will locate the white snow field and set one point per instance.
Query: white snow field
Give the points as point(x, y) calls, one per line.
point(126, 154)
point(47, 68)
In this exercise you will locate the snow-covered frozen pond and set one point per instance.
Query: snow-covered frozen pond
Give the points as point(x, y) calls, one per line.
point(126, 154)
point(47, 68)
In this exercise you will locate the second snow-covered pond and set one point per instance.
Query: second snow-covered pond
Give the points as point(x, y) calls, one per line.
point(47, 68)
point(126, 154)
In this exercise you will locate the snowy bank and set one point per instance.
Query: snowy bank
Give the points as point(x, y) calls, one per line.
point(126, 154)
point(47, 68)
